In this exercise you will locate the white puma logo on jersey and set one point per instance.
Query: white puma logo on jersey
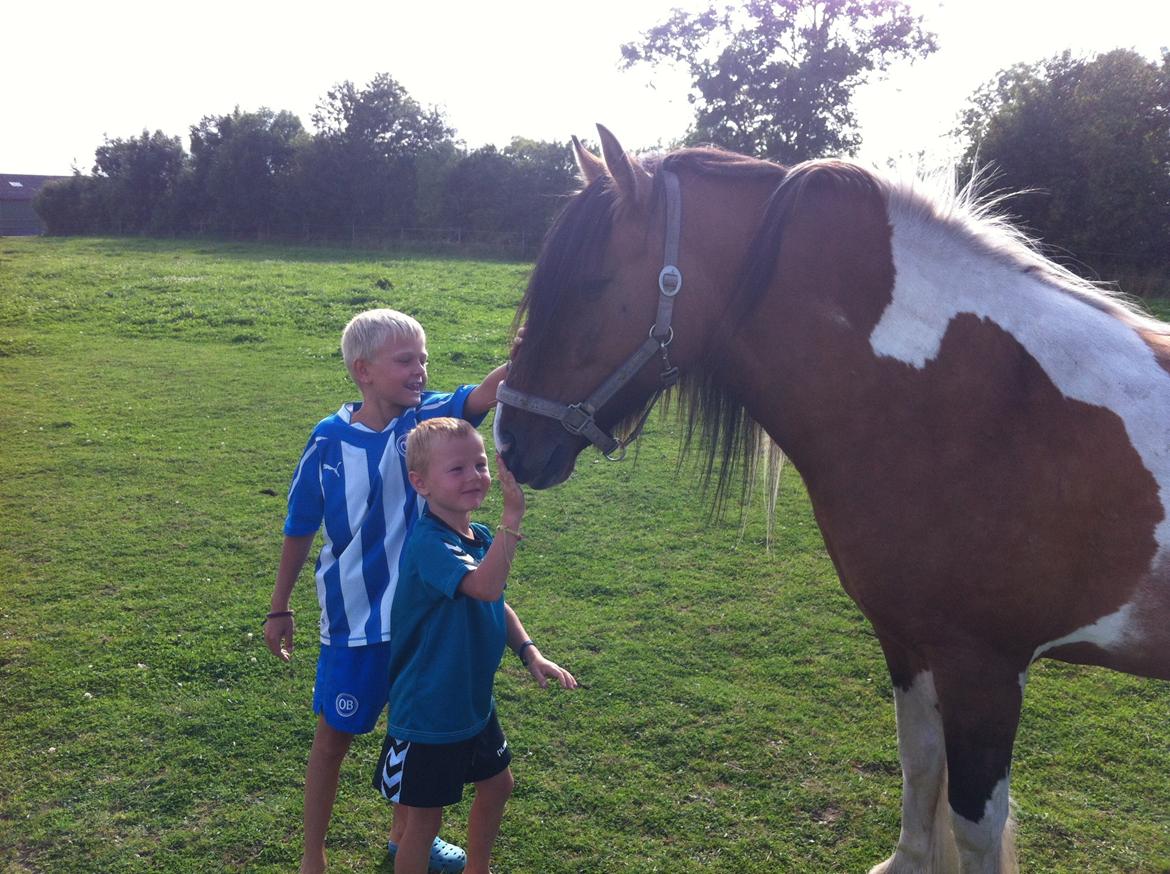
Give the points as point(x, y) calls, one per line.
point(336, 470)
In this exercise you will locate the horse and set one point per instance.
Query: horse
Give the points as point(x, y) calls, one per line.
point(984, 436)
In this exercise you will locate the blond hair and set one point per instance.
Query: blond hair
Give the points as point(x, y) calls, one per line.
point(427, 434)
point(368, 330)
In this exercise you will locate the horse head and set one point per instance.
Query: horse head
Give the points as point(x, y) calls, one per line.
point(606, 327)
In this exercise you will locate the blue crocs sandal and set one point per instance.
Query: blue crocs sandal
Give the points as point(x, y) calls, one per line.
point(445, 858)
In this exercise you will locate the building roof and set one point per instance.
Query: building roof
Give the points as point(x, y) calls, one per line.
point(18, 186)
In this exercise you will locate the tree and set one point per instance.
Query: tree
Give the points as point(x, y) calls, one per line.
point(61, 205)
point(141, 176)
point(775, 78)
point(370, 139)
point(382, 117)
point(242, 163)
point(517, 189)
point(1088, 142)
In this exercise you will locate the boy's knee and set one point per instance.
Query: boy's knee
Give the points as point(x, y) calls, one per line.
point(499, 786)
point(331, 742)
point(421, 821)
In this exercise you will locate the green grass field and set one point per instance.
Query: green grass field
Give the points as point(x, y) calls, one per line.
point(734, 715)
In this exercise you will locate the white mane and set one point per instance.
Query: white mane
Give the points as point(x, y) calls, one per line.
point(975, 213)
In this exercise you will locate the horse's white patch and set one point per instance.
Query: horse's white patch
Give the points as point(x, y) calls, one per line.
point(1107, 632)
point(498, 441)
point(922, 751)
point(980, 842)
point(1089, 354)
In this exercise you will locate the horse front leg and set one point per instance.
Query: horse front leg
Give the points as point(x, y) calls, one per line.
point(957, 720)
point(980, 697)
point(926, 843)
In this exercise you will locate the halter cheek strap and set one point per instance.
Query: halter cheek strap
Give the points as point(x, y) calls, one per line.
point(579, 419)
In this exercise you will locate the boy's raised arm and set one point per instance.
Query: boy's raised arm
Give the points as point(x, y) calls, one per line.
point(483, 396)
point(486, 582)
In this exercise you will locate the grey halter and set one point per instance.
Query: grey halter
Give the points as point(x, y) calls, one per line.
point(578, 419)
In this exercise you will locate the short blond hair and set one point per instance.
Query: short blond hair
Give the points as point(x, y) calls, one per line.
point(429, 433)
point(368, 330)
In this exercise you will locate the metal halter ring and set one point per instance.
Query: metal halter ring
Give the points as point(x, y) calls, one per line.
point(669, 336)
point(670, 276)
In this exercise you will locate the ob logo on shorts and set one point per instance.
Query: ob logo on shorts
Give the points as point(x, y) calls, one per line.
point(346, 704)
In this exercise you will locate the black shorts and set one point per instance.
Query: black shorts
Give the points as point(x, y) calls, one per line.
point(433, 775)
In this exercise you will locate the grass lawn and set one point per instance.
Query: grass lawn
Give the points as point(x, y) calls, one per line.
point(735, 713)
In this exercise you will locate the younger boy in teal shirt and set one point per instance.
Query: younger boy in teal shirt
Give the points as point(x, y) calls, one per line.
point(450, 628)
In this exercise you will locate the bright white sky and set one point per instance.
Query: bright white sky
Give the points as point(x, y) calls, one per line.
point(545, 69)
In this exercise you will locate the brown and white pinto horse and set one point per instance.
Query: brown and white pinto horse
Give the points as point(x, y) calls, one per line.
point(985, 438)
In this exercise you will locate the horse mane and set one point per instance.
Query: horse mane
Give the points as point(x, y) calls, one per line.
point(978, 215)
point(572, 250)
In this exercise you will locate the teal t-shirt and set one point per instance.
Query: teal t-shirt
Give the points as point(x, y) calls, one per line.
point(444, 646)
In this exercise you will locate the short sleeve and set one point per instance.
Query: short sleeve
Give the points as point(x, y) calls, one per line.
point(306, 503)
point(436, 404)
point(442, 563)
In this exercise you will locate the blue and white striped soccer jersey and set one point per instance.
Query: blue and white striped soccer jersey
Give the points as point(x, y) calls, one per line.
point(354, 480)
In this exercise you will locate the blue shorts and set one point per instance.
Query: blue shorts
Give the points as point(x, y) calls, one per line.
point(353, 686)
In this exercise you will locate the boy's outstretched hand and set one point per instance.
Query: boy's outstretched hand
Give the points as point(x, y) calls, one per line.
point(543, 670)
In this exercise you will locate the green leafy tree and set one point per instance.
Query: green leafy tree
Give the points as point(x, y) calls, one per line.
point(479, 191)
point(370, 139)
point(516, 189)
point(1087, 141)
point(546, 174)
point(61, 205)
point(140, 177)
point(776, 79)
point(242, 164)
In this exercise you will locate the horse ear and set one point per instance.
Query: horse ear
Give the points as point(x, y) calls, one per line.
point(589, 164)
point(632, 181)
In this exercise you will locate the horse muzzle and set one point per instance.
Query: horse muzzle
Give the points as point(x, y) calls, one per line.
point(538, 455)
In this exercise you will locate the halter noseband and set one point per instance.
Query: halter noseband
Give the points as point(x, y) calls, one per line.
point(578, 419)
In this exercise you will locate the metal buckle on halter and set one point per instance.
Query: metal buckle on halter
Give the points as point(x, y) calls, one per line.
point(670, 280)
point(662, 344)
point(576, 418)
point(620, 449)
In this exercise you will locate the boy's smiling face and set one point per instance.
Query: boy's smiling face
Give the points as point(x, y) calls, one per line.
point(456, 478)
point(396, 374)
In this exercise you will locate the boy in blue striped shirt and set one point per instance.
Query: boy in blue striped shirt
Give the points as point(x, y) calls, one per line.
point(352, 482)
